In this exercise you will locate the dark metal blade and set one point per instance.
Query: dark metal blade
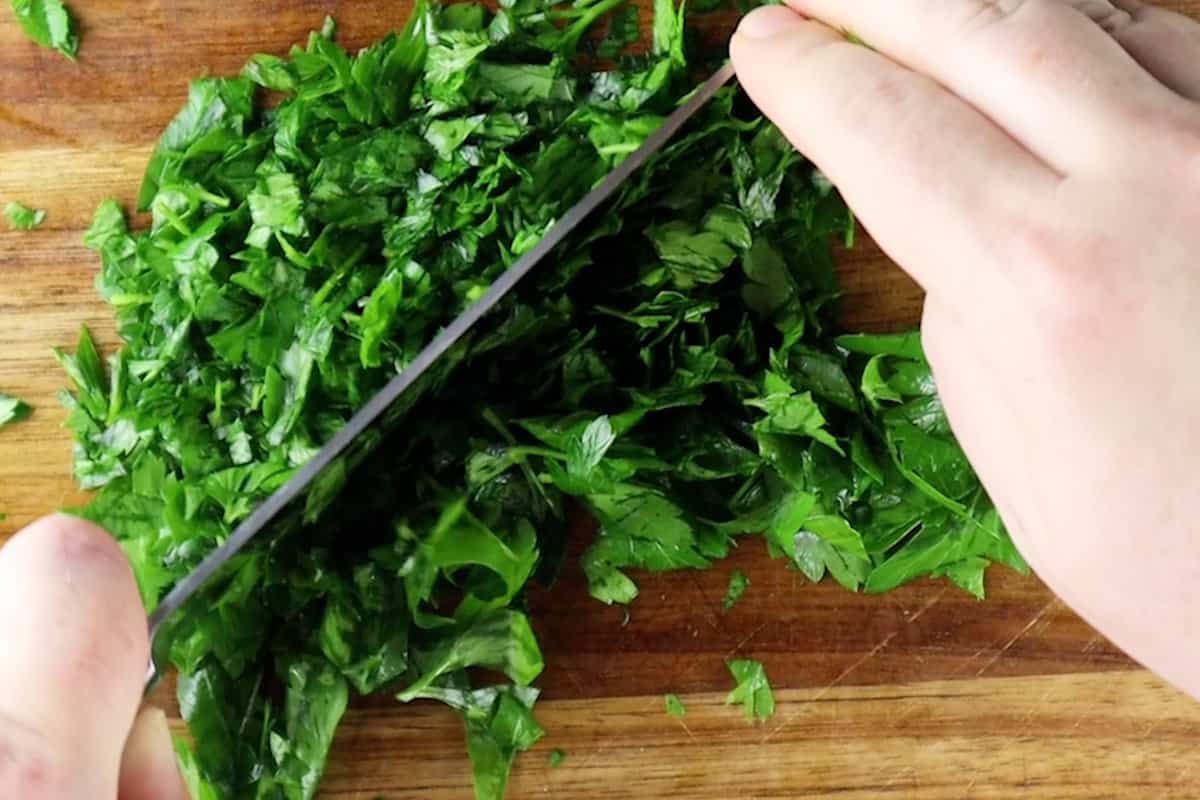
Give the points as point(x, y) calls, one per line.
point(449, 335)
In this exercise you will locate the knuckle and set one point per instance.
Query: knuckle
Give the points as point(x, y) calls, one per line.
point(1038, 246)
point(981, 14)
point(1018, 32)
point(901, 96)
point(29, 766)
point(830, 58)
point(889, 88)
point(1179, 137)
point(1083, 298)
point(1105, 14)
point(1069, 282)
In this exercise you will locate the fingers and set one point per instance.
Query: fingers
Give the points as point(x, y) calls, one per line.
point(75, 657)
point(1166, 44)
point(930, 177)
point(149, 770)
point(1042, 69)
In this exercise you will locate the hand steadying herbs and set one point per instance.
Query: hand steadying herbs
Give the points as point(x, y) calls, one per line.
point(1034, 166)
point(1032, 183)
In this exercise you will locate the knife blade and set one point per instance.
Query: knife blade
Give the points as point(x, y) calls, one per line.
point(446, 339)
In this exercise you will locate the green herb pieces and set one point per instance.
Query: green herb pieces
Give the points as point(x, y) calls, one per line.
point(623, 30)
point(495, 740)
point(49, 23)
point(738, 583)
point(499, 724)
point(672, 368)
point(316, 697)
point(557, 757)
point(198, 788)
point(674, 705)
point(752, 690)
point(23, 218)
point(12, 409)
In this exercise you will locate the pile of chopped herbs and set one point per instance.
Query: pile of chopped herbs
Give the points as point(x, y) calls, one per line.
point(674, 368)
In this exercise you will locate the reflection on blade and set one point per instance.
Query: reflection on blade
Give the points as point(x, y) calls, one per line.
point(326, 471)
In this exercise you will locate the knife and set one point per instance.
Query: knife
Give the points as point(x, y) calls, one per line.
point(451, 334)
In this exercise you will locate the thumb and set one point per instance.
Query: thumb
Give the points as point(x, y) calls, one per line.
point(149, 770)
point(75, 656)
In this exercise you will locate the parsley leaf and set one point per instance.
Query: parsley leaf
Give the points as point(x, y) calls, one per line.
point(49, 23)
point(197, 786)
point(752, 690)
point(12, 409)
point(675, 707)
point(499, 724)
point(586, 452)
point(23, 218)
point(738, 583)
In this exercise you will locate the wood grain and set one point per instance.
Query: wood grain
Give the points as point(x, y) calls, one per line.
point(1050, 738)
point(1016, 696)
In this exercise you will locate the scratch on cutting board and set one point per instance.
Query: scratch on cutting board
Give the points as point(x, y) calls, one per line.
point(716, 619)
point(686, 729)
point(933, 601)
point(737, 648)
point(1038, 617)
point(565, 667)
point(874, 651)
point(698, 663)
point(907, 776)
point(1150, 729)
point(1041, 703)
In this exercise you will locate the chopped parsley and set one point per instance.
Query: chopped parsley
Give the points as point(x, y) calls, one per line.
point(12, 409)
point(23, 218)
point(752, 691)
point(48, 23)
point(673, 368)
point(738, 583)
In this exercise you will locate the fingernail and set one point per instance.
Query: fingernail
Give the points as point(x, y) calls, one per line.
point(768, 22)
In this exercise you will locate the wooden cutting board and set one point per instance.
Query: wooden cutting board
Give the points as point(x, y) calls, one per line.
point(923, 693)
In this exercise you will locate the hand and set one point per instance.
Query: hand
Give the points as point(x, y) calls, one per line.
point(1035, 166)
point(75, 656)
